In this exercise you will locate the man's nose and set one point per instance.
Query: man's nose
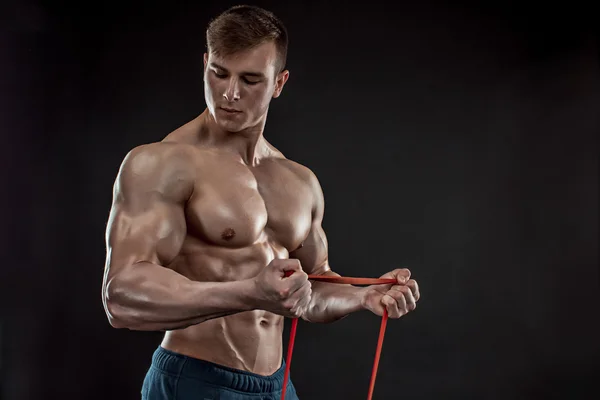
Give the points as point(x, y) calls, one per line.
point(233, 90)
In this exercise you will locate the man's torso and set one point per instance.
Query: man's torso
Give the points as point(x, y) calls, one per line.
point(238, 219)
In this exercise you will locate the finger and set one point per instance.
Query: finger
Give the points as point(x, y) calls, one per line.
point(393, 305)
point(402, 275)
point(292, 264)
point(305, 293)
point(293, 284)
point(289, 266)
point(404, 298)
point(414, 288)
point(409, 299)
point(301, 299)
point(305, 300)
point(299, 294)
point(299, 279)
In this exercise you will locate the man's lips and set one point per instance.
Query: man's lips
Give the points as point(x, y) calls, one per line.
point(230, 110)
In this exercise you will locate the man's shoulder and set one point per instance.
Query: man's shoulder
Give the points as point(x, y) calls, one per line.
point(158, 151)
point(149, 156)
point(309, 179)
point(157, 161)
point(303, 172)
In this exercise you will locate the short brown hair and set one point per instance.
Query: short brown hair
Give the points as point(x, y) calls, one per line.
point(244, 27)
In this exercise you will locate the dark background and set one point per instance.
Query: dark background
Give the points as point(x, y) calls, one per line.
point(457, 139)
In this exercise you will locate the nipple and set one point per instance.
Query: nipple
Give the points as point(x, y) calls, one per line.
point(228, 234)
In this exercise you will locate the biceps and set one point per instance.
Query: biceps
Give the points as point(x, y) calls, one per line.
point(154, 234)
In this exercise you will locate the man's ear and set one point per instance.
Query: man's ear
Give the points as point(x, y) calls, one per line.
point(280, 81)
point(205, 61)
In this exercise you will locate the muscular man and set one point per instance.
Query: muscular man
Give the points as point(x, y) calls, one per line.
point(205, 224)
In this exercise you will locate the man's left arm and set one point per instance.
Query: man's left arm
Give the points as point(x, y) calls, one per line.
point(333, 301)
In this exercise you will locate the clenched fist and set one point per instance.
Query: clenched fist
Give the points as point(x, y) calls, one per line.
point(398, 299)
point(283, 288)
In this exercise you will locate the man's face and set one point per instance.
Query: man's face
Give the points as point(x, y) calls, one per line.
point(238, 88)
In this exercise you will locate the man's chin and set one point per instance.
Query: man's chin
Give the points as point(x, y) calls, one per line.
point(229, 127)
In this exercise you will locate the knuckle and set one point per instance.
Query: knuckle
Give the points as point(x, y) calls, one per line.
point(276, 262)
point(288, 305)
point(401, 301)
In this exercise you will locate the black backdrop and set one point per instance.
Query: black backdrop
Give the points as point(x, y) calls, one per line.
point(457, 140)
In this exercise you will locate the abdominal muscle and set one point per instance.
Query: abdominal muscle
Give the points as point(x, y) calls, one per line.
point(250, 340)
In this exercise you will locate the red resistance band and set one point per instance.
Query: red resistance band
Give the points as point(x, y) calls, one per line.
point(351, 281)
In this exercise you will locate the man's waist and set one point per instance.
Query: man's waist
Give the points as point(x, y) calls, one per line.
point(239, 352)
point(180, 365)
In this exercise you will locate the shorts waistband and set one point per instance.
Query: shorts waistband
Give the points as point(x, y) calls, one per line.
point(206, 371)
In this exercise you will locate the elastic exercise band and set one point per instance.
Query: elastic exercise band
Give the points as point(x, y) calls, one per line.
point(351, 281)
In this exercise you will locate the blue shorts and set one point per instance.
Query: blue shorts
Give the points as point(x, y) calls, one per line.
point(177, 377)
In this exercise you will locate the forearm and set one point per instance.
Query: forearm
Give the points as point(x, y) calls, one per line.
point(150, 297)
point(331, 302)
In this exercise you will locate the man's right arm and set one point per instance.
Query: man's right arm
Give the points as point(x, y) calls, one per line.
point(145, 232)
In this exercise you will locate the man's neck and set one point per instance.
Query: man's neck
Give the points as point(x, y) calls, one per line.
point(249, 144)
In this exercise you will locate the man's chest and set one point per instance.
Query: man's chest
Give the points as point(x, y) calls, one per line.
point(236, 206)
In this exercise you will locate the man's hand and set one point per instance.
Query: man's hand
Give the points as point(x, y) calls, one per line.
point(283, 288)
point(398, 299)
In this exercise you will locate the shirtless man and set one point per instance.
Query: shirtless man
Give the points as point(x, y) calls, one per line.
point(205, 224)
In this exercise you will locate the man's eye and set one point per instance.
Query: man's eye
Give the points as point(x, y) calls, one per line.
point(218, 75)
point(251, 82)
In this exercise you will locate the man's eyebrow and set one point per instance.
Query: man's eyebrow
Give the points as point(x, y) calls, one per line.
point(245, 73)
